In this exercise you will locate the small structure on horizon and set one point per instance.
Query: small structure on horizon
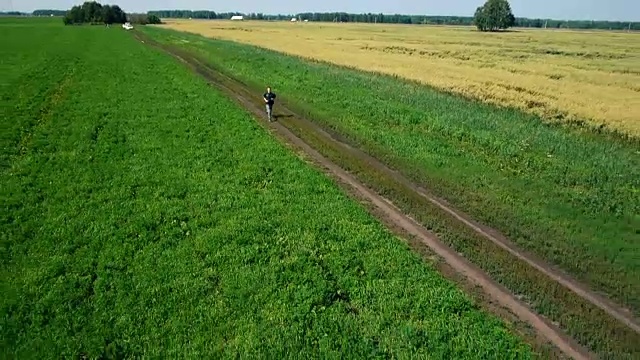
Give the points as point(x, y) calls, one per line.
point(237, 17)
point(294, 19)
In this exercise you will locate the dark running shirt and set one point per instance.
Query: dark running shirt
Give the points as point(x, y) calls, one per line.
point(270, 97)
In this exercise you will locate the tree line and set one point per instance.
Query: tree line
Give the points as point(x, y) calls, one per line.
point(398, 19)
point(92, 12)
point(12, 13)
point(153, 17)
point(143, 19)
point(47, 12)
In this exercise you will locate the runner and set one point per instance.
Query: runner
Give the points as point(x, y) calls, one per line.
point(269, 99)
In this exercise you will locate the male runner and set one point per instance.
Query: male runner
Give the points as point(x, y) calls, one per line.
point(269, 99)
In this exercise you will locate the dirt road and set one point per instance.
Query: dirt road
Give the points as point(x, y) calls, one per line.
point(391, 215)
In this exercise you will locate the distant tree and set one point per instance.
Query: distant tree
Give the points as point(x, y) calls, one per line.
point(152, 19)
point(108, 15)
point(480, 19)
point(92, 12)
point(494, 15)
point(74, 16)
point(119, 16)
point(143, 19)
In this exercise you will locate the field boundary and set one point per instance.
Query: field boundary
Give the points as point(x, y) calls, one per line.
point(392, 214)
point(544, 108)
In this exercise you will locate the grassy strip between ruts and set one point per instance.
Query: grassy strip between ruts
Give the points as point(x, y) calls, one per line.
point(585, 322)
point(570, 197)
point(148, 215)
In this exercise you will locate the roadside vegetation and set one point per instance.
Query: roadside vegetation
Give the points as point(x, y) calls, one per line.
point(144, 214)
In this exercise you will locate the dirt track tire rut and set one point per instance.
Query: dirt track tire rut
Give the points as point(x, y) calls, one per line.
point(393, 214)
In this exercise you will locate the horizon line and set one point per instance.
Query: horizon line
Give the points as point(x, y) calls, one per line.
point(341, 12)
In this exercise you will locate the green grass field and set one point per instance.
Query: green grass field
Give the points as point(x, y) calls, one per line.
point(570, 195)
point(144, 214)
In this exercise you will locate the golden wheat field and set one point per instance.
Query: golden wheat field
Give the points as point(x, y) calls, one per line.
point(570, 75)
